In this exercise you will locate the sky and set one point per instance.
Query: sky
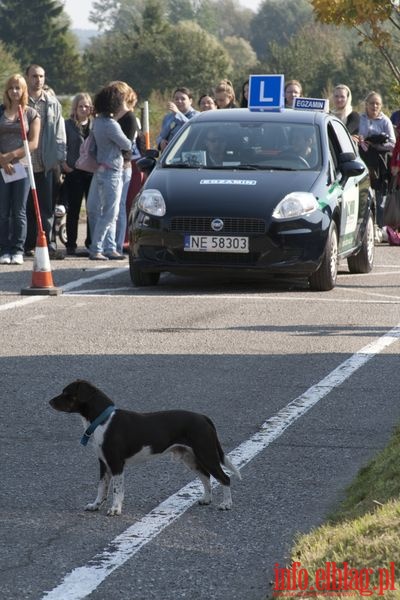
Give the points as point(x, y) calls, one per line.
point(79, 11)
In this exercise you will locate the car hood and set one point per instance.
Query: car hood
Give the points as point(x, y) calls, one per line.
point(193, 191)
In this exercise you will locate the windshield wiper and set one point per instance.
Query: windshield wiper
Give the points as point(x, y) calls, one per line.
point(266, 168)
point(179, 165)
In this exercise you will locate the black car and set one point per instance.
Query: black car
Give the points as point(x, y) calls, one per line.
point(271, 193)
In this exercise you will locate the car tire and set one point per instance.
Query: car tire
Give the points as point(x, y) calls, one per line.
point(141, 278)
point(62, 233)
point(363, 261)
point(324, 278)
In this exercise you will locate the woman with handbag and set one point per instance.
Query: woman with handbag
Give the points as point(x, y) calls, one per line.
point(76, 181)
point(376, 139)
point(105, 189)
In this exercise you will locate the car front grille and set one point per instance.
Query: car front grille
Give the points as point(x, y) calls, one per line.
point(232, 225)
point(213, 258)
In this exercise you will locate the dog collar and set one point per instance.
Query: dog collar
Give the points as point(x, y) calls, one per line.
point(102, 418)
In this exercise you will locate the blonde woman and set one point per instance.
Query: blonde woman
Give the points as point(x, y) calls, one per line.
point(342, 108)
point(376, 140)
point(225, 94)
point(77, 182)
point(293, 89)
point(14, 194)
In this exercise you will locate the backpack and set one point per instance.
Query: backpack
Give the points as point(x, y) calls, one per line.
point(87, 155)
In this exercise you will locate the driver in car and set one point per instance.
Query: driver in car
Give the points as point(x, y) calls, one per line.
point(217, 152)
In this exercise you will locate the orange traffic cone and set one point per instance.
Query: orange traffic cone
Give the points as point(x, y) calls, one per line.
point(42, 280)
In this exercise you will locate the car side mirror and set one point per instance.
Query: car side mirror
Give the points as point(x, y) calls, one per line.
point(147, 163)
point(349, 166)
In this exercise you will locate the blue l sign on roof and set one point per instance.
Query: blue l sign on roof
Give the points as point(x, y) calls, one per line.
point(266, 92)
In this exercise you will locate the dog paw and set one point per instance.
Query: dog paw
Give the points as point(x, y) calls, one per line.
point(92, 506)
point(225, 506)
point(114, 511)
point(204, 501)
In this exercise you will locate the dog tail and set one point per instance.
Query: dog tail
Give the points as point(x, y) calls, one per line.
point(223, 459)
point(229, 466)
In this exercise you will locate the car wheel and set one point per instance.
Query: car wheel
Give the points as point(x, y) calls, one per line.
point(363, 261)
point(141, 278)
point(62, 233)
point(324, 278)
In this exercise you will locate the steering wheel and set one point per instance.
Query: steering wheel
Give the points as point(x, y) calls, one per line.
point(296, 158)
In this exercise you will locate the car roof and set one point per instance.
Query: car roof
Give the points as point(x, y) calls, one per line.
point(288, 115)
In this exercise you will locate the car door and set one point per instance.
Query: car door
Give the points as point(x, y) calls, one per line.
point(353, 197)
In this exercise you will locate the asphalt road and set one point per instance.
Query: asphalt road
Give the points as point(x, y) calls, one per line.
point(303, 388)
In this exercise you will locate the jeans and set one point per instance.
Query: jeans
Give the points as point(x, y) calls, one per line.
point(44, 190)
point(117, 232)
point(102, 206)
point(13, 197)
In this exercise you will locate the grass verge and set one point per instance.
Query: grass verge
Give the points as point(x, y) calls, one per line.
point(363, 532)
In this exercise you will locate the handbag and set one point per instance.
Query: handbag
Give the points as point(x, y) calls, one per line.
point(87, 155)
point(391, 210)
point(393, 236)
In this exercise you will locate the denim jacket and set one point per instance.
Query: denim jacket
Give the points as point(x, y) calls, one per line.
point(171, 124)
point(110, 141)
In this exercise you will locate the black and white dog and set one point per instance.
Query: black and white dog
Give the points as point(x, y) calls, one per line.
point(122, 435)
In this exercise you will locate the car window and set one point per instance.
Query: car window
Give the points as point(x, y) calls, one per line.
point(252, 145)
point(344, 139)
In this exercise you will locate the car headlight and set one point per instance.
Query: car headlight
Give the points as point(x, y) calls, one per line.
point(152, 203)
point(295, 204)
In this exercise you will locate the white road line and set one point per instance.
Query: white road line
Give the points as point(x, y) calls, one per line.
point(82, 581)
point(104, 275)
point(65, 288)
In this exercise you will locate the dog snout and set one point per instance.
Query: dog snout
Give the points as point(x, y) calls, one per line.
point(61, 402)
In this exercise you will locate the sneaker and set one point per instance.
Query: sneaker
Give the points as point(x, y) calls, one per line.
point(5, 259)
point(98, 256)
point(378, 234)
point(115, 256)
point(29, 253)
point(17, 259)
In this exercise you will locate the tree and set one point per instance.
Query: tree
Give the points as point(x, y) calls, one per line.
point(37, 31)
point(301, 58)
point(242, 56)
point(277, 22)
point(376, 21)
point(8, 65)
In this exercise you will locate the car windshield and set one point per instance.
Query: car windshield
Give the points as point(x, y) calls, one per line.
point(244, 145)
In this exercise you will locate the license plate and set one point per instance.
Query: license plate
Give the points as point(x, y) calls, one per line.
point(216, 243)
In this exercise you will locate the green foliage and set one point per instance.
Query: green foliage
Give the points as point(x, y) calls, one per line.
point(8, 66)
point(276, 23)
point(242, 56)
point(37, 32)
point(159, 57)
point(364, 531)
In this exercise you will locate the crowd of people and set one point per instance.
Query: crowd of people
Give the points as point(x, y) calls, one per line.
point(115, 136)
